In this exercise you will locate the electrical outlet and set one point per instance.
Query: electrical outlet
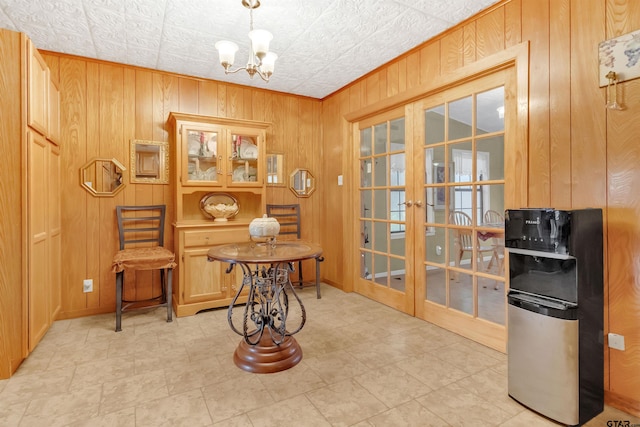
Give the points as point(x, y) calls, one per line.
point(87, 285)
point(616, 341)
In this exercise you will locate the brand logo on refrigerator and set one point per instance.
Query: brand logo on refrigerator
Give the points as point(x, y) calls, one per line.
point(532, 222)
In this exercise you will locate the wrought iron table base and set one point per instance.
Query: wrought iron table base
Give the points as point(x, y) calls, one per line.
point(267, 345)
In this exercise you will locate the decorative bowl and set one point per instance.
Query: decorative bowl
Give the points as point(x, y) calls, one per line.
point(219, 206)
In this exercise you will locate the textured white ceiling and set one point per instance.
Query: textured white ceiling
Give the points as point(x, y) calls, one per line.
point(322, 45)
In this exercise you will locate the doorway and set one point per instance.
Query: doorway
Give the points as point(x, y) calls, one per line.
point(432, 198)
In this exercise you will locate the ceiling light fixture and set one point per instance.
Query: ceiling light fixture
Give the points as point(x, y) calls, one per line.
point(261, 61)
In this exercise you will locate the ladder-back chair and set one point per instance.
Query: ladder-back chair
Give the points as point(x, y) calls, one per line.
point(141, 231)
point(289, 218)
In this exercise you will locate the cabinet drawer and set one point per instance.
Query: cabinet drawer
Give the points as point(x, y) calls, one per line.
point(215, 237)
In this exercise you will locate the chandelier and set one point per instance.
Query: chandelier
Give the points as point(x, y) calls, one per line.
point(261, 61)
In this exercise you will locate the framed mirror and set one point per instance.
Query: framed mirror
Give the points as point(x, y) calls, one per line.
point(275, 169)
point(102, 177)
point(149, 162)
point(302, 182)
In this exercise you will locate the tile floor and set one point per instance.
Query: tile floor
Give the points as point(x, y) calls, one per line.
point(364, 364)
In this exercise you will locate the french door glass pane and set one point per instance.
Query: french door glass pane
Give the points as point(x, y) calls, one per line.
point(460, 116)
point(435, 245)
point(436, 289)
point(380, 171)
point(491, 300)
point(365, 142)
point(380, 234)
point(490, 111)
point(397, 279)
point(381, 265)
point(366, 203)
point(461, 156)
point(461, 293)
point(396, 135)
point(434, 125)
point(380, 200)
point(380, 138)
point(365, 265)
point(490, 158)
point(365, 234)
point(365, 173)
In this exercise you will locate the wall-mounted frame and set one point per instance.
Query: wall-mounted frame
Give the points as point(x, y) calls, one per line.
point(102, 177)
point(149, 162)
point(439, 198)
point(302, 182)
point(275, 169)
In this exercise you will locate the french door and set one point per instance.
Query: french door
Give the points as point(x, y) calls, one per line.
point(432, 197)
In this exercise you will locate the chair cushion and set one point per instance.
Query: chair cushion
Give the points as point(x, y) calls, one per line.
point(143, 259)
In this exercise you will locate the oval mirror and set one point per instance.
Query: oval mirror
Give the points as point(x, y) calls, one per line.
point(302, 182)
point(149, 162)
point(102, 177)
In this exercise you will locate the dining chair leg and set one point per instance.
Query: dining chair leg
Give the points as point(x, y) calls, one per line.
point(318, 278)
point(169, 294)
point(119, 281)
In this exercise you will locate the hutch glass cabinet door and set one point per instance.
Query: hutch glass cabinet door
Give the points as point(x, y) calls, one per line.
point(201, 156)
point(244, 157)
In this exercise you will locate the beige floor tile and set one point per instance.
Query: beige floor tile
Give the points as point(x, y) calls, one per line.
point(11, 413)
point(391, 385)
point(336, 366)
point(123, 418)
point(237, 421)
point(171, 355)
point(492, 386)
point(294, 412)
point(464, 358)
point(101, 371)
point(460, 407)
point(186, 375)
point(236, 396)
point(292, 382)
point(132, 391)
point(186, 410)
point(432, 371)
point(408, 414)
point(346, 403)
point(530, 419)
point(24, 388)
point(63, 409)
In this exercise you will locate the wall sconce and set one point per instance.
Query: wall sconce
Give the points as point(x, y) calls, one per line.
point(612, 103)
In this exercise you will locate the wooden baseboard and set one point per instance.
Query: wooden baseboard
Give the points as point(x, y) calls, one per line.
point(623, 403)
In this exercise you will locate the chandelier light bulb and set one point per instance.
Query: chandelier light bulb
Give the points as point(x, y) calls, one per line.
point(260, 40)
point(227, 51)
point(268, 63)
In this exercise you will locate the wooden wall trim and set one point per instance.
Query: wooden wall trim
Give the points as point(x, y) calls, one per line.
point(517, 54)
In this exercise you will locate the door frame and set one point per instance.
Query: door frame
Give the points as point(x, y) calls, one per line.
point(516, 152)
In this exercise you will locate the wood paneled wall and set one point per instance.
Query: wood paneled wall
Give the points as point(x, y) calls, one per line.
point(580, 154)
point(104, 106)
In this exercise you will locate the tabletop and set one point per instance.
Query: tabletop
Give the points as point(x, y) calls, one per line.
point(258, 253)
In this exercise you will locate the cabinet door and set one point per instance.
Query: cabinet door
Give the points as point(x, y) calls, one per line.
point(245, 158)
point(203, 280)
point(39, 291)
point(38, 90)
point(202, 151)
point(54, 113)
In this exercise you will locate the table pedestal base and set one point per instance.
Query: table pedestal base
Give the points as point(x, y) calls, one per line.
point(266, 357)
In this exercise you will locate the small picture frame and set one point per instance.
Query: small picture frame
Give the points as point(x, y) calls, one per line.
point(440, 177)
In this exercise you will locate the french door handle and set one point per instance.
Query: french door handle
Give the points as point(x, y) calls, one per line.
point(419, 203)
point(409, 203)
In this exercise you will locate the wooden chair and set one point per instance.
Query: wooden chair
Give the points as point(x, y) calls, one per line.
point(289, 218)
point(465, 242)
point(141, 230)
